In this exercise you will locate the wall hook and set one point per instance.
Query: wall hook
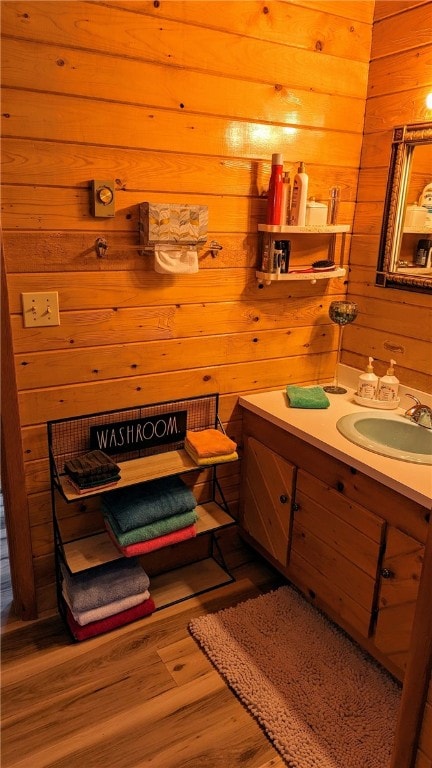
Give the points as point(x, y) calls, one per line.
point(214, 247)
point(101, 246)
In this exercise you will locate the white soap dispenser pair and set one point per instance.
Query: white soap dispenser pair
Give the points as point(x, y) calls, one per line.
point(368, 383)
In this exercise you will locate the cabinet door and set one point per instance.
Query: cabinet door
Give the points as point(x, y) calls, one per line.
point(400, 575)
point(268, 485)
point(335, 552)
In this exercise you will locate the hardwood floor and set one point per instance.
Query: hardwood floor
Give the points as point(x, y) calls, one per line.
point(143, 695)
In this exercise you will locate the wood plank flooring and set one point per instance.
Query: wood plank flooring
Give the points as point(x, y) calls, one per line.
point(143, 695)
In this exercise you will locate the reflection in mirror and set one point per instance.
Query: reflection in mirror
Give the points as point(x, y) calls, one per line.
point(405, 254)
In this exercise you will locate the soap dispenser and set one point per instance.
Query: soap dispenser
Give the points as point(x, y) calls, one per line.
point(389, 385)
point(368, 383)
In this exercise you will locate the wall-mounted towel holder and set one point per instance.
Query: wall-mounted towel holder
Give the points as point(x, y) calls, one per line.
point(173, 232)
point(172, 224)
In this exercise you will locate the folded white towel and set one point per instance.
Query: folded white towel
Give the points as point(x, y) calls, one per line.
point(176, 261)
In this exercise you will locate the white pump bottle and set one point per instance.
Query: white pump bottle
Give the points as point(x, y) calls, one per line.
point(368, 383)
point(389, 385)
point(299, 197)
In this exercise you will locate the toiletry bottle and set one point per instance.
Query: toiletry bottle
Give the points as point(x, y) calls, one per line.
point(333, 208)
point(265, 243)
point(316, 213)
point(299, 197)
point(423, 253)
point(286, 198)
point(368, 383)
point(277, 256)
point(388, 385)
point(274, 199)
point(286, 251)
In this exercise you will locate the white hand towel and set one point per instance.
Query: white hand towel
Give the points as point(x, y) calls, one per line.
point(176, 261)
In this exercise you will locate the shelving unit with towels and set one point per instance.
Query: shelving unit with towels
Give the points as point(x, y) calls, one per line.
point(81, 550)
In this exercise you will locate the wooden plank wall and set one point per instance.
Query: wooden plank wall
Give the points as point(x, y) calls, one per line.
point(392, 323)
point(424, 753)
point(178, 102)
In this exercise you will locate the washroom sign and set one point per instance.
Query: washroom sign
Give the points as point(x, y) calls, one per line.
point(136, 434)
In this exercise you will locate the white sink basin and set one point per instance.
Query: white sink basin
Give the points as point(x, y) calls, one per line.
point(389, 435)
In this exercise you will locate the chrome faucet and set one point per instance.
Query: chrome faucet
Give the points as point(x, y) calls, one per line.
point(421, 414)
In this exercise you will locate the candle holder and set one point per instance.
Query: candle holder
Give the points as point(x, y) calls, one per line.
point(341, 313)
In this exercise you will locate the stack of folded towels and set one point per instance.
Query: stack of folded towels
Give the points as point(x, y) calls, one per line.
point(149, 516)
point(105, 597)
point(210, 446)
point(91, 471)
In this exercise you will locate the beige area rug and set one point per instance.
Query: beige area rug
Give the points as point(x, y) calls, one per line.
point(322, 702)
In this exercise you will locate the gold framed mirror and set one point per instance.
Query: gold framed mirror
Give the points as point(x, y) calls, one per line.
point(405, 250)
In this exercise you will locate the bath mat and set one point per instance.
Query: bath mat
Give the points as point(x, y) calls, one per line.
point(322, 702)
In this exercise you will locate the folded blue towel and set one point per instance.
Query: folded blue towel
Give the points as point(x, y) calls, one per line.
point(142, 504)
point(104, 584)
point(153, 530)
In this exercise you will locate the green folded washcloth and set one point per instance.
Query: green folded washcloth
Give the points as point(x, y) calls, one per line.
point(307, 397)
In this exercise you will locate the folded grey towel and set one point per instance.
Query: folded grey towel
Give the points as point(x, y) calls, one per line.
point(105, 584)
point(138, 505)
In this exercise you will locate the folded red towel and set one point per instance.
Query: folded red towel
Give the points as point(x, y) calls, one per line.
point(141, 547)
point(209, 442)
point(111, 622)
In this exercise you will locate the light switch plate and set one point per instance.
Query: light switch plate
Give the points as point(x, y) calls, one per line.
point(40, 309)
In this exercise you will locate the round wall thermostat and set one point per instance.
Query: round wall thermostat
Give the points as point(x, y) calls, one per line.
point(105, 195)
point(102, 198)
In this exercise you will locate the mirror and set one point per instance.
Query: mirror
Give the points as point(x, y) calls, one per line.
point(405, 251)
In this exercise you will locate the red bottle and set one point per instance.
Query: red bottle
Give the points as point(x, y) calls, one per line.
point(274, 199)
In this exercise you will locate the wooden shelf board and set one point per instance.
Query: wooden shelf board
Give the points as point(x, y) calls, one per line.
point(270, 277)
point(82, 554)
point(310, 229)
point(98, 549)
point(138, 471)
point(189, 580)
point(426, 230)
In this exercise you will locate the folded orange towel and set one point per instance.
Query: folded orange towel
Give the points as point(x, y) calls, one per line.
point(208, 460)
point(209, 442)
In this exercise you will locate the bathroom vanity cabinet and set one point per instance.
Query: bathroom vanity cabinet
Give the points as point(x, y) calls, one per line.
point(353, 546)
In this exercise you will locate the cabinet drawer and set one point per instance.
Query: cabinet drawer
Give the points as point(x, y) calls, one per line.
point(400, 576)
point(339, 523)
point(336, 550)
point(268, 483)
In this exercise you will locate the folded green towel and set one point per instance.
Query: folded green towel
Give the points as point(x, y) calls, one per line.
point(307, 397)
